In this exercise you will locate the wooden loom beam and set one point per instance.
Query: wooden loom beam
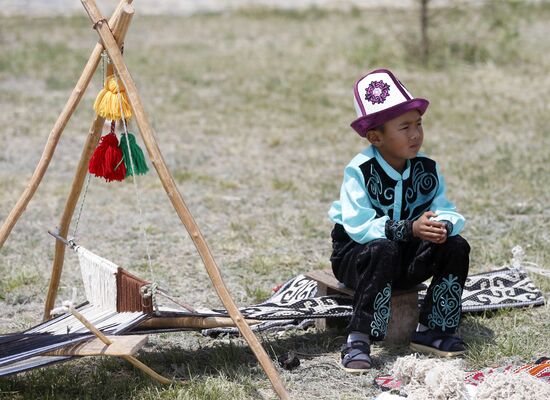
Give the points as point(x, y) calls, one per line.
point(120, 346)
point(130, 358)
point(124, 16)
point(191, 322)
point(176, 198)
point(55, 134)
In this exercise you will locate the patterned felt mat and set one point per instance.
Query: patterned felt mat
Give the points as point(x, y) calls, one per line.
point(295, 304)
point(506, 287)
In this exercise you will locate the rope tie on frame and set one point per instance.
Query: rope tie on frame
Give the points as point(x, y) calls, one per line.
point(98, 24)
point(150, 291)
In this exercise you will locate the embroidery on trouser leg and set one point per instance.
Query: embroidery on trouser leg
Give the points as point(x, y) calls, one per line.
point(381, 315)
point(446, 304)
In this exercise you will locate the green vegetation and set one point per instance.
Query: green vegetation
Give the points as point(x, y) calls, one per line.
point(252, 112)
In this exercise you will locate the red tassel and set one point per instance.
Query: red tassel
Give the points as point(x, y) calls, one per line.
point(106, 162)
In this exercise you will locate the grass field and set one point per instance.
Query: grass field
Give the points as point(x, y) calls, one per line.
point(252, 113)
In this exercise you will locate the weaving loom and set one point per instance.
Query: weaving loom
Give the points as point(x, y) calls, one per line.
point(111, 287)
point(114, 306)
point(117, 300)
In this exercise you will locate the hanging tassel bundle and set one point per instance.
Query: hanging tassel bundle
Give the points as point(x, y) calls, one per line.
point(108, 104)
point(134, 156)
point(107, 162)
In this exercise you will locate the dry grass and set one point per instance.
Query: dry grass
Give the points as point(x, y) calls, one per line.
point(252, 111)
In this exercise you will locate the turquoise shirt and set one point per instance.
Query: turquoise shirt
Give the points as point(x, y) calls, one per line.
point(373, 192)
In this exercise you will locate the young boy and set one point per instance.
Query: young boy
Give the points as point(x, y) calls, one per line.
point(394, 227)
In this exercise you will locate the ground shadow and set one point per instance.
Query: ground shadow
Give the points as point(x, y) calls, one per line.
point(185, 356)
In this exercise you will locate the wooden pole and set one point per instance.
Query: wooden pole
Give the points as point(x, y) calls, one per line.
point(191, 322)
point(120, 28)
point(55, 134)
point(176, 198)
point(131, 359)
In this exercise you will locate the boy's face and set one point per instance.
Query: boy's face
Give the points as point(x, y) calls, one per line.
point(401, 139)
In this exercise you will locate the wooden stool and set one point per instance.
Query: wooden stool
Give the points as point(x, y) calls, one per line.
point(404, 306)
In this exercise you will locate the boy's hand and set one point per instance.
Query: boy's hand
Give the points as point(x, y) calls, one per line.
point(432, 231)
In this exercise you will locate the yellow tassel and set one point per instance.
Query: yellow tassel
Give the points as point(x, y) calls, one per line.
point(107, 103)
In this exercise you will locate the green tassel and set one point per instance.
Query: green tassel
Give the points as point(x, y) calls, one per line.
point(140, 165)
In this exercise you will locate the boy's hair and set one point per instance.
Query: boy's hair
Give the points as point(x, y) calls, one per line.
point(379, 128)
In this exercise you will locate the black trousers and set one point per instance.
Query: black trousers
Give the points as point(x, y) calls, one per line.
point(375, 268)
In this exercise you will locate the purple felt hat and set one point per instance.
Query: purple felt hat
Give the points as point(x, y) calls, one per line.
point(379, 96)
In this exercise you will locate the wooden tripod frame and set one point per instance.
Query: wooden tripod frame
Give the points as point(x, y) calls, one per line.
point(110, 40)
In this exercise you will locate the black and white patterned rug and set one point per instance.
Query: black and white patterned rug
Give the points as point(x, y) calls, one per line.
point(294, 305)
point(503, 288)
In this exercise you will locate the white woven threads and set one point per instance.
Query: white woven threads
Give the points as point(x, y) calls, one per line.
point(102, 319)
point(99, 278)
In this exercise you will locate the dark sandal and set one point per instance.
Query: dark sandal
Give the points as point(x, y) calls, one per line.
point(356, 357)
point(450, 346)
